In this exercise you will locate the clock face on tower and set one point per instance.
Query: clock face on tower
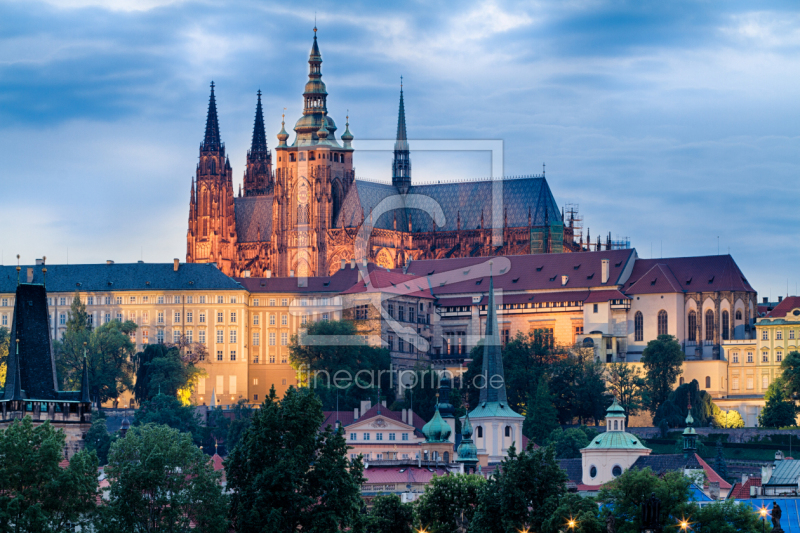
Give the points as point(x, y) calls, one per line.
point(302, 195)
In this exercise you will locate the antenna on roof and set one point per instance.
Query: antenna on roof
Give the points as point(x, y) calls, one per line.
point(18, 269)
point(44, 271)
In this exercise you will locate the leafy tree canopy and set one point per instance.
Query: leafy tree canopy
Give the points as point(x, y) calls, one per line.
point(541, 416)
point(627, 384)
point(98, 440)
point(390, 515)
point(583, 511)
point(287, 475)
point(524, 491)
point(675, 409)
point(727, 516)
point(161, 481)
point(568, 443)
point(662, 359)
point(778, 412)
point(169, 411)
point(37, 494)
point(445, 499)
point(163, 369)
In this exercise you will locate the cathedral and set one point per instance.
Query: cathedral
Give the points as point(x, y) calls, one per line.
point(302, 212)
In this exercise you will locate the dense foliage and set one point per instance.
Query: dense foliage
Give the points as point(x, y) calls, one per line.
point(169, 411)
point(36, 494)
point(161, 481)
point(390, 515)
point(628, 386)
point(287, 475)
point(662, 359)
point(163, 369)
point(778, 412)
point(541, 416)
point(446, 499)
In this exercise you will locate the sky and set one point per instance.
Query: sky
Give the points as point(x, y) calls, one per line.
point(674, 124)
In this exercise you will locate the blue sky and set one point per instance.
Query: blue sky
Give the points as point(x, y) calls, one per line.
point(672, 123)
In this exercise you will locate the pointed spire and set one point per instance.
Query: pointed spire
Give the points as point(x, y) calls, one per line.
point(282, 135)
point(259, 143)
point(467, 451)
point(211, 141)
point(495, 388)
point(401, 166)
point(347, 137)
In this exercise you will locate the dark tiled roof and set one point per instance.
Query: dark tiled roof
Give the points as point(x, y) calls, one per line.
point(604, 296)
point(659, 279)
point(393, 283)
point(122, 277)
point(784, 308)
point(346, 418)
point(338, 283)
point(661, 464)
point(253, 213)
point(469, 275)
point(692, 274)
point(573, 468)
point(467, 201)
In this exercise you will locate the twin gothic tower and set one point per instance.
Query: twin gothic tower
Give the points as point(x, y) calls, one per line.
point(301, 208)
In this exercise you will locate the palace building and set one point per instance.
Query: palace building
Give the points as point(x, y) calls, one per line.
point(301, 207)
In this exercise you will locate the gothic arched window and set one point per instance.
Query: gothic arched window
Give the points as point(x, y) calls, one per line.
point(336, 198)
point(638, 326)
point(692, 326)
point(738, 314)
point(302, 214)
point(709, 325)
point(725, 325)
point(662, 323)
point(213, 166)
point(708, 382)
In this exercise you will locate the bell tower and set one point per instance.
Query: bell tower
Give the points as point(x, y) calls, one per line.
point(258, 175)
point(401, 166)
point(212, 226)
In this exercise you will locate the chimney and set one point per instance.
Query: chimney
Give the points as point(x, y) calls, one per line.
point(744, 478)
point(766, 301)
point(269, 274)
point(355, 413)
point(604, 271)
point(404, 416)
point(753, 491)
point(109, 262)
point(564, 280)
point(383, 403)
point(364, 262)
point(343, 263)
point(291, 273)
point(175, 263)
point(713, 490)
point(352, 262)
point(366, 405)
point(30, 274)
point(780, 299)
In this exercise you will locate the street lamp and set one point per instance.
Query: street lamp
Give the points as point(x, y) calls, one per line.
point(763, 512)
point(572, 523)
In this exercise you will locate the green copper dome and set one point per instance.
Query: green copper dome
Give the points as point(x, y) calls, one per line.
point(615, 410)
point(616, 440)
point(437, 429)
point(467, 451)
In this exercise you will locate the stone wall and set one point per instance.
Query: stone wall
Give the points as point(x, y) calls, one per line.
point(734, 435)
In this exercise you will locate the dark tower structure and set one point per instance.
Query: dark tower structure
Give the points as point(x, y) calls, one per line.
point(492, 355)
point(401, 166)
point(31, 386)
point(258, 174)
point(212, 225)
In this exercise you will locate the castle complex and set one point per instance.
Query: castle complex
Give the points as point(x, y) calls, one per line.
point(302, 208)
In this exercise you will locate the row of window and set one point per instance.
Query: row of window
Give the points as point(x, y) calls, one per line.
point(124, 300)
point(284, 302)
point(638, 325)
point(778, 335)
point(764, 356)
point(160, 318)
point(749, 382)
point(378, 436)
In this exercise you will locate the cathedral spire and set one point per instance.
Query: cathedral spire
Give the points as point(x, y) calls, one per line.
point(495, 387)
point(259, 143)
point(211, 141)
point(401, 166)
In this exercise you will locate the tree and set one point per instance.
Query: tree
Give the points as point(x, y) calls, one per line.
point(728, 419)
point(728, 516)
point(524, 491)
point(579, 388)
point(720, 466)
point(36, 494)
point(162, 369)
point(778, 412)
point(287, 475)
point(168, 411)
point(625, 495)
point(569, 443)
point(228, 430)
point(98, 440)
point(5, 338)
point(574, 507)
point(541, 417)
point(662, 359)
point(108, 351)
point(676, 408)
point(790, 373)
point(626, 383)
point(161, 481)
point(445, 499)
point(390, 515)
point(359, 369)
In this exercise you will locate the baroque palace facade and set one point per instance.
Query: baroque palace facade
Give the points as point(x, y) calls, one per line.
point(302, 207)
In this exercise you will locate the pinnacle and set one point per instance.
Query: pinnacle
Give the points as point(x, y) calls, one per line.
point(211, 141)
point(259, 143)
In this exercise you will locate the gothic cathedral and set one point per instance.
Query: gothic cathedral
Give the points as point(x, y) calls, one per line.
point(304, 213)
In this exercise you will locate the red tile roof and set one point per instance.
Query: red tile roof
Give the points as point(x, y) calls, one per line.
point(521, 272)
point(410, 474)
point(693, 274)
point(712, 475)
point(604, 296)
point(380, 280)
point(340, 281)
point(742, 492)
point(785, 307)
point(659, 279)
point(346, 418)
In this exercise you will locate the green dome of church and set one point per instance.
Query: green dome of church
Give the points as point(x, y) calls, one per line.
point(437, 429)
point(467, 451)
